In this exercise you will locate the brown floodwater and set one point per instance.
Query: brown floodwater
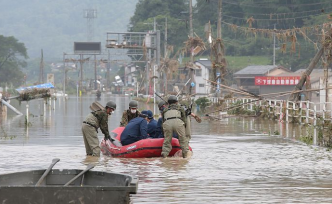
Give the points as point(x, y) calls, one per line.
point(235, 160)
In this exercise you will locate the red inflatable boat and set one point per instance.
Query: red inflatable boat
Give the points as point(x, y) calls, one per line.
point(141, 149)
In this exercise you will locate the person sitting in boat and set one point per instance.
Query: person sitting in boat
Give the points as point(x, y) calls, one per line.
point(136, 129)
point(159, 128)
point(152, 125)
point(129, 114)
point(93, 121)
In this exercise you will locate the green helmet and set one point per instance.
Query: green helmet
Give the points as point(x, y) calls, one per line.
point(161, 103)
point(111, 104)
point(133, 104)
point(172, 99)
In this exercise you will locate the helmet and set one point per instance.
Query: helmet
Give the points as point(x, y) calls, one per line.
point(111, 104)
point(144, 114)
point(133, 104)
point(161, 103)
point(172, 99)
point(150, 114)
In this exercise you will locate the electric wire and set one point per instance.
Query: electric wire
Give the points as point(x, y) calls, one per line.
point(268, 5)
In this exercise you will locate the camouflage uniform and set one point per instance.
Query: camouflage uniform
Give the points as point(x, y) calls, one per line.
point(174, 118)
point(127, 116)
point(93, 121)
point(188, 131)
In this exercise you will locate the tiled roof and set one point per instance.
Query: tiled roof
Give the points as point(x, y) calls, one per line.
point(256, 69)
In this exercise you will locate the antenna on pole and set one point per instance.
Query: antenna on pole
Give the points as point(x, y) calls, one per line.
point(90, 15)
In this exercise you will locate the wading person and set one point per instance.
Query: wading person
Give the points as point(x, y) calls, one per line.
point(188, 124)
point(174, 120)
point(137, 129)
point(129, 114)
point(93, 121)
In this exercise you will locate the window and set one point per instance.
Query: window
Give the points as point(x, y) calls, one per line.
point(201, 85)
point(198, 72)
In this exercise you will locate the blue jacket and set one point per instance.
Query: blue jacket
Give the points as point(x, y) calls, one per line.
point(160, 131)
point(152, 128)
point(135, 130)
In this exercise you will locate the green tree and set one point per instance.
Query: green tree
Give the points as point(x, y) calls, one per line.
point(147, 10)
point(12, 59)
point(284, 14)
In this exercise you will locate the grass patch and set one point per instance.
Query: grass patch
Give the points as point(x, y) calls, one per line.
point(239, 62)
point(236, 63)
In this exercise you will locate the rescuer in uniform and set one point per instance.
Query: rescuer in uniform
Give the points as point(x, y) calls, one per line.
point(174, 120)
point(93, 121)
point(129, 114)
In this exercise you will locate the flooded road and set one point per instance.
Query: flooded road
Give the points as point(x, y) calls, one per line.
point(235, 160)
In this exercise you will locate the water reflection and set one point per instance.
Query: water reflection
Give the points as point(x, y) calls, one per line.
point(235, 160)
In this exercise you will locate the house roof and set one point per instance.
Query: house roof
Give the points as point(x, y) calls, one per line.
point(314, 75)
point(205, 62)
point(257, 69)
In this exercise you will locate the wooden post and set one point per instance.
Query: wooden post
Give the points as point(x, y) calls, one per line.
point(315, 115)
point(324, 110)
point(300, 112)
point(307, 112)
point(280, 111)
point(27, 113)
point(331, 111)
point(287, 111)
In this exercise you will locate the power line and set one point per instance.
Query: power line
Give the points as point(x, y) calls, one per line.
point(281, 14)
point(276, 19)
point(268, 5)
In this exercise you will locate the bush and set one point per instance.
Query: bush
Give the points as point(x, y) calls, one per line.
point(203, 102)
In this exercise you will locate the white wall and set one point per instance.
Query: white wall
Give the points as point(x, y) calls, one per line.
point(130, 79)
point(200, 80)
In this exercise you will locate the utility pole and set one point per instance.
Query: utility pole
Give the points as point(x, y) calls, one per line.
point(81, 73)
point(64, 74)
point(165, 45)
point(108, 69)
point(274, 46)
point(165, 56)
point(192, 80)
point(41, 68)
point(313, 62)
point(219, 19)
point(219, 56)
point(95, 73)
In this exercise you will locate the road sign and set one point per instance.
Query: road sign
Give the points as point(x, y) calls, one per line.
point(192, 84)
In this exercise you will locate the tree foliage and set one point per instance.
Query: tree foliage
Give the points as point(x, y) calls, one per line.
point(177, 29)
point(284, 14)
point(12, 59)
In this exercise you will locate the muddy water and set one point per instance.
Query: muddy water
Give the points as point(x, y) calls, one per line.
point(234, 161)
